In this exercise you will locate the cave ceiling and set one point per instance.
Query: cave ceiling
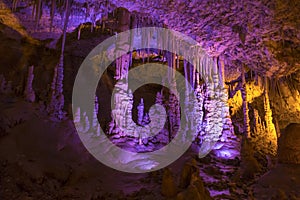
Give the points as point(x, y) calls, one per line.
point(260, 34)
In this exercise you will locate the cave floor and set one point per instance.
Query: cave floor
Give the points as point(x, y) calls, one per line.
point(44, 159)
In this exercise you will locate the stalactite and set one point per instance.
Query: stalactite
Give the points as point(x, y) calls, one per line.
point(66, 21)
point(177, 62)
point(185, 68)
point(29, 92)
point(38, 13)
point(245, 105)
point(191, 75)
point(33, 10)
point(173, 67)
point(52, 13)
point(14, 5)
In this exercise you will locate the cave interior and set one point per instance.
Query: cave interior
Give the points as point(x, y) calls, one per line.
point(80, 121)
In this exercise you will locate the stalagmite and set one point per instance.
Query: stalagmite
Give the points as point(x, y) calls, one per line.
point(199, 108)
point(122, 66)
point(146, 119)
point(122, 123)
point(29, 92)
point(56, 105)
point(214, 103)
point(185, 68)
point(226, 114)
point(95, 114)
point(245, 105)
point(258, 126)
point(130, 124)
point(140, 109)
point(86, 123)
point(271, 131)
point(77, 116)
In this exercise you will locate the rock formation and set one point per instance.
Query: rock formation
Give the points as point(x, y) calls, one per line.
point(288, 145)
point(29, 92)
point(140, 109)
point(56, 104)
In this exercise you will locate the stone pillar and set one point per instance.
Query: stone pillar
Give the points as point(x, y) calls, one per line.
point(245, 105)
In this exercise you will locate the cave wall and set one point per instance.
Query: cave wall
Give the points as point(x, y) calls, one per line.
point(260, 50)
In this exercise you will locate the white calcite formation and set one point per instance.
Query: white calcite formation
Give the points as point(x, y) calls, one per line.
point(122, 122)
point(199, 112)
point(173, 113)
point(213, 108)
point(140, 109)
point(29, 92)
point(77, 116)
point(96, 128)
point(95, 113)
point(130, 124)
point(157, 116)
point(122, 66)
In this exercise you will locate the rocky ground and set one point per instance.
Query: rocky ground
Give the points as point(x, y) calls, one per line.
point(44, 159)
